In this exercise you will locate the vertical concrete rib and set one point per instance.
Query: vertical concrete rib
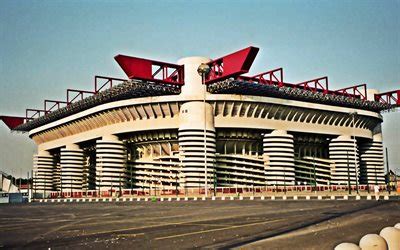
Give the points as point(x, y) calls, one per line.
point(191, 143)
point(71, 162)
point(111, 159)
point(279, 158)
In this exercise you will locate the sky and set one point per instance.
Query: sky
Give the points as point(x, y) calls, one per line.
point(49, 46)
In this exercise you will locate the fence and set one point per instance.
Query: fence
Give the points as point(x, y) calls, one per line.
point(218, 191)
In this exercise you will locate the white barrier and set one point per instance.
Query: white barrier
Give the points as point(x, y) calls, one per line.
point(232, 198)
point(392, 237)
point(372, 242)
point(389, 239)
point(262, 198)
point(222, 198)
point(295, 197)
point(347, 246)
point(332, 197)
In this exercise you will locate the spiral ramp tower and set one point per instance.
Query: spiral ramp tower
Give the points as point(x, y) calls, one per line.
point(43, 170)
point(343, 152)
point(279, 154)
point(110, 163)
point(372, 163)
point(71, 163)
point(195, 127)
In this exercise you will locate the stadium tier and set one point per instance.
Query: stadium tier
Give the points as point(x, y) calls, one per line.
point(202, 123)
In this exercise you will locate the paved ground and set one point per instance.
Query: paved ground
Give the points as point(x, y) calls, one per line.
point(191, 224)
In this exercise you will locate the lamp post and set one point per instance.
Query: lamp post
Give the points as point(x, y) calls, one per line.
point(348, 171)
point(353, 114)
point(203, 70)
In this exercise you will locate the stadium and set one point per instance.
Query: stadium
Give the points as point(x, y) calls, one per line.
point(202, 124)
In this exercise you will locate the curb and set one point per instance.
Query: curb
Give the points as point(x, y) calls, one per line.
point(221, 198)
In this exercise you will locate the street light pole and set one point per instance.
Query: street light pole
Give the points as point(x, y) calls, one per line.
point(355, 148)
point(203, 70)
point(348, 171)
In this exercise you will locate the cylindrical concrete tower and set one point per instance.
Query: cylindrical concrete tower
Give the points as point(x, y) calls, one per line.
point(43, 167)
point(279, 158)
point(372, 170)
point(341, 152)
point(110, 163)
point(194, 116)
point(71, 162)
point(193, 88)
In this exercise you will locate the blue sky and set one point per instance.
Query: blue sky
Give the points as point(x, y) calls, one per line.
point(49, 46)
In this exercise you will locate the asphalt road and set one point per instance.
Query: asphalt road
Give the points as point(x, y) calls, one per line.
point(193, 224)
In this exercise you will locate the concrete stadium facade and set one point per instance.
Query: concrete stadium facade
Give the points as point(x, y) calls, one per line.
point(158, 141)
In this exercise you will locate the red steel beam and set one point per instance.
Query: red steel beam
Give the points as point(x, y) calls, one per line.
point(390, 97)
point(12, 121)
point(150, 70)
point(109, 81)
point(315, 85)
point(80, 93)
point(232, 65)
point(57, 104)
point(358, 91)
point(36, 113)
point(269, 77)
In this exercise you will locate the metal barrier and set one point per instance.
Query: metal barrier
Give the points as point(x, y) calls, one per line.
point(219, 191)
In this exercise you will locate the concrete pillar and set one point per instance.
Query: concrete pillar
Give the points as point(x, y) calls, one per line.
point(43, 172)
point(192, 119)
point(279, 158)
point(392, 237)
point(341, 152)
point(373, 242)
point(71, 162)
point(111, 157)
